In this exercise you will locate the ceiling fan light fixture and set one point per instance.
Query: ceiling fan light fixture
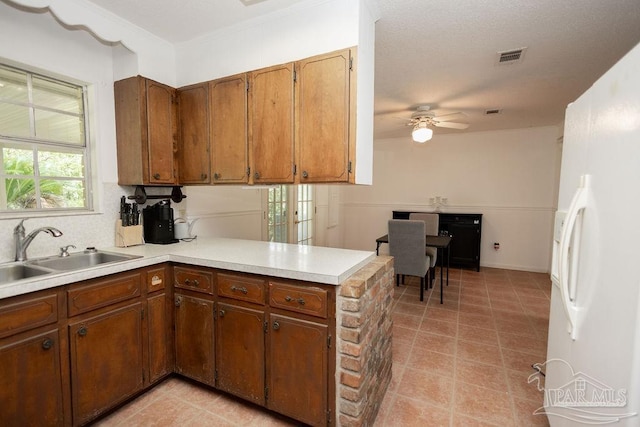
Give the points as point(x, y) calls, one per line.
point(421, 133)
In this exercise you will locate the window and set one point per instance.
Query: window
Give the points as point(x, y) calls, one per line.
point(304, 215)
point(287, 225)
point(43, 143)
point(277, 222)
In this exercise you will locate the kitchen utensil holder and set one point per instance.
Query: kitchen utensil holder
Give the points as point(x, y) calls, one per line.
point(128, 236)
point(140, 195)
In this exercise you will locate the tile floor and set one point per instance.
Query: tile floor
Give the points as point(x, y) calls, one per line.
point(463, 363)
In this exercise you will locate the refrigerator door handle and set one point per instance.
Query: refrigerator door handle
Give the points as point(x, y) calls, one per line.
point(570, 239)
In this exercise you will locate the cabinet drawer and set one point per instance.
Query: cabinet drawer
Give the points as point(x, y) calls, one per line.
point(241, 288)
point(155, 279)
point(24, 314)
point(194, 279)
point(91, 295)
point(307, 300)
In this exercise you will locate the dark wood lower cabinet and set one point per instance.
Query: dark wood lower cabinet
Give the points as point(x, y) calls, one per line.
point(194, 338)
point(159, 320)
point(106, 360)
point(70, 355)
point(297, 369)
point(31, 380)
point(240, 352)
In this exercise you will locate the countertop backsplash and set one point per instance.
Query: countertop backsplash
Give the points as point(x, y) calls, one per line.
point(94, 229)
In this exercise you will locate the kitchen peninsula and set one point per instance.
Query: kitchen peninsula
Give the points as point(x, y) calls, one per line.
point(320, 319)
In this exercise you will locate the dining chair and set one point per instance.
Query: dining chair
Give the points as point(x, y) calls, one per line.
point(407, 240)
point(432, 228)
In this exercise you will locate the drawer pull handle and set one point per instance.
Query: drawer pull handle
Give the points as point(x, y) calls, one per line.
point(47, 343)
point(188, 282)
point(82, 331)
point(300, 301)
point(276, 325)
point(242, 289)
point(178, 301)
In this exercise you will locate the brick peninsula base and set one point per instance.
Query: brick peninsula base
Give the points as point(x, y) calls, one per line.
point(364, 350)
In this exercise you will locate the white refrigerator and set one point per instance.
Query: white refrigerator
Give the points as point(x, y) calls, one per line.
point(592, 371)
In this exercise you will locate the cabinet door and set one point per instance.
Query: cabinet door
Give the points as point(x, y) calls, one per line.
point(240, 352)
point(194, 338)
point(106, 360)
point(271, 124)
point(229, 154)
point(161, 133)
point(323, 117)
point(465, 244)
point(159, 340)
point(194, 134)
point(31, 380)
point(297, 369)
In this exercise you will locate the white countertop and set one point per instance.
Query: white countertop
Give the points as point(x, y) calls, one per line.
point(330, 266)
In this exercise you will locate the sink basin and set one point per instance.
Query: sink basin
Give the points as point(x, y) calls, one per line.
point(80, 260)
point(18, 271)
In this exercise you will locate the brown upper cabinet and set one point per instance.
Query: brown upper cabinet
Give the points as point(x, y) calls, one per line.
point(325, 117)
point(193, 151)
point(271, 136)
point(228, 135)
point(146, 129)
point(285, 124)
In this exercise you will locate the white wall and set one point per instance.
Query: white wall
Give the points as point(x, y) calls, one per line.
point(38, 41)
point(508, 176)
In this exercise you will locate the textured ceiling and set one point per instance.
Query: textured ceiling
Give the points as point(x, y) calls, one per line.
point(443, 53)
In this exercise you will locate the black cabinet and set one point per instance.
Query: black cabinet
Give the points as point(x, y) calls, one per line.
point(465, 231)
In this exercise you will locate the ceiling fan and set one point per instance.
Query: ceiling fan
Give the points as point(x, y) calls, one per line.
point(423, 120)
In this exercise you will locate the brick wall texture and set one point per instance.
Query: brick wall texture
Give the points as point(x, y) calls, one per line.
point(364, 323)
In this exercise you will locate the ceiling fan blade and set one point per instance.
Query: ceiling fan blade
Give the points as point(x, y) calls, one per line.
point(450, 117)
point(451, 125)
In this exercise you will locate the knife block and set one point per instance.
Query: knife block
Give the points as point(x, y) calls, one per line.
point(128, 236)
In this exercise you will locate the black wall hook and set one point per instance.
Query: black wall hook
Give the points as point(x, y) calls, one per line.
point(140, 195)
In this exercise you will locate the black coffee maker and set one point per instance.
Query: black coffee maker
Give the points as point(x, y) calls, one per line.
point(158, 223)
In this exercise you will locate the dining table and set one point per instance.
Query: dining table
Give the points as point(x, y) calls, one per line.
point(439, 242)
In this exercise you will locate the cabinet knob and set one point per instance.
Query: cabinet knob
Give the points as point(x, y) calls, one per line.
point(300, 301)
point(242, 289)
point(216, 176)
point(47, 344)
point(178, 301)
point(276, 325)
point(305, 174)
point(222, 313)
point(156, 176)
point(188, 282)
point(82, 331)
point(203, 176)
point(256, 175)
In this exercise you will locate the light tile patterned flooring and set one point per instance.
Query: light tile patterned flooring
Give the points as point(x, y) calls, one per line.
point(462, 363)
point(466, 362)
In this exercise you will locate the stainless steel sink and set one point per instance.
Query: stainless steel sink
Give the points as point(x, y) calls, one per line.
point(18, 271)
point(80, 260)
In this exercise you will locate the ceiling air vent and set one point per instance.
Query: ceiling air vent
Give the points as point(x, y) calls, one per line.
point(511, 56)
point(493, 111)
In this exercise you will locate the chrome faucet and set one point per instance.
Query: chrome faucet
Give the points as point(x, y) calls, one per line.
point(22, 242)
